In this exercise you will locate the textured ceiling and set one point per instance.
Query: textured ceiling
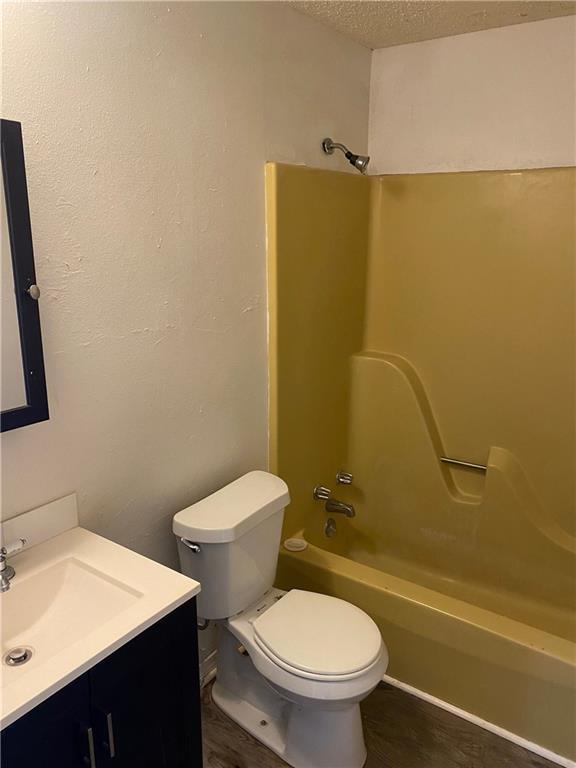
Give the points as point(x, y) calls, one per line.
point(381, 23)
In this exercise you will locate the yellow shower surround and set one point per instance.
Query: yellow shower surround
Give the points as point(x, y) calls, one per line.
point(419, 316)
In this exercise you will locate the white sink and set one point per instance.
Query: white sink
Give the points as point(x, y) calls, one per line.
point(75, 599)
point(58, 606)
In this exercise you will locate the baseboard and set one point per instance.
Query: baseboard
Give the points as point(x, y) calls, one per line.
point(495, 729)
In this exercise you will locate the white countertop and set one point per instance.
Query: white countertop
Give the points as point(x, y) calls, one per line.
point(74, 600)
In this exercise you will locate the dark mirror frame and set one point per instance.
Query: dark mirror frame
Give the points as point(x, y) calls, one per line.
point(20, 234)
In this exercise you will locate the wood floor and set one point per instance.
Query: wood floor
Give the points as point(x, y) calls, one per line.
point(401, 731)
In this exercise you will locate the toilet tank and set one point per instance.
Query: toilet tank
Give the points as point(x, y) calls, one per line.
point(236, 531)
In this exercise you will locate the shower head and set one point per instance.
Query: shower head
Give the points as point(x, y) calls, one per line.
point(360, 162)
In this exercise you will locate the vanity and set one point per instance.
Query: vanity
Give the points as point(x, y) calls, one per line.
point(99, 652)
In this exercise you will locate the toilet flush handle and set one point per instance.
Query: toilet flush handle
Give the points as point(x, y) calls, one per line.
point(191, 545)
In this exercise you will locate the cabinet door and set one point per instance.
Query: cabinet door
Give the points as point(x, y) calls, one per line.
point(55, 734)
point(179, 689)
point(145, 698)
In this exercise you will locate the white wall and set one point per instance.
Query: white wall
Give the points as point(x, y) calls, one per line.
point(146, 130)
point(497, 99)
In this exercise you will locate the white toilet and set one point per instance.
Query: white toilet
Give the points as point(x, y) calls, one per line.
point(292, 666)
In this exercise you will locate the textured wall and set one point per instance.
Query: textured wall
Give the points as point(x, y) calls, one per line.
point(498, 99)
point(146, 130)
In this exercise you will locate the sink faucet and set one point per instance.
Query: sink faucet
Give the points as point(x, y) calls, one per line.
point(6, 571)
point(335, 506)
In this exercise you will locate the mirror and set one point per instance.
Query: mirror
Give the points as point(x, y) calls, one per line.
point(23, 397)
point(12, 385)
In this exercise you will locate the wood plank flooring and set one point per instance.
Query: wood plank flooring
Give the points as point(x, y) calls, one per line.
point(401, 731)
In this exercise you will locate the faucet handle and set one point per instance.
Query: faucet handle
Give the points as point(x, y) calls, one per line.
point(13, 546)
point(344, 478)
point(321, 493)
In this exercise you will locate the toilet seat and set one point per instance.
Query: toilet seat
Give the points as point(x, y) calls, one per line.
point(318, 637)
point(292, 680)
point(312, 675)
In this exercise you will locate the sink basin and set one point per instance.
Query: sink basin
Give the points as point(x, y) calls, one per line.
point(75, 598)
point(58, 606)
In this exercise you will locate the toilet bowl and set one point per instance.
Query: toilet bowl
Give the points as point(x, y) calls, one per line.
point(292, 666)
point(292, 670)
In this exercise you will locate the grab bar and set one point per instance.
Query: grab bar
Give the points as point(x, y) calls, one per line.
point(466, 464)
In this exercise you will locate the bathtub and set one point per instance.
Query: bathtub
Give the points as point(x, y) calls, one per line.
point(504, 659)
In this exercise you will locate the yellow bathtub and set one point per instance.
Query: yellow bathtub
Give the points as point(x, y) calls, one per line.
point(517, 671)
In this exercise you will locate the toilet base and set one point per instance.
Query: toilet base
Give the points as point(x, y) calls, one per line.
point(305, 732)
point(266, 729)
point(302, 737)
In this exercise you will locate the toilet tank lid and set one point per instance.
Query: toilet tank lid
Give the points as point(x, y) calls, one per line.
point(230, 512)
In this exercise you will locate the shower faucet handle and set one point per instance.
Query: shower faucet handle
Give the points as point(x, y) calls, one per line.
point(344, 478)
point(321, 493)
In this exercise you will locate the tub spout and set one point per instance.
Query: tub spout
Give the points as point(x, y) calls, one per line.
point(339, 507)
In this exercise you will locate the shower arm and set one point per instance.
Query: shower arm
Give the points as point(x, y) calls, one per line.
point(329, 146)
point(342, 147)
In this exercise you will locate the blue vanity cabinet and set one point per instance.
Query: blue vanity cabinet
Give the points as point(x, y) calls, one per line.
point(138, 708)
point(56, 734)
point(145, 698)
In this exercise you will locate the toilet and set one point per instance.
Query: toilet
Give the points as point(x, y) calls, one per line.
point(292, 666)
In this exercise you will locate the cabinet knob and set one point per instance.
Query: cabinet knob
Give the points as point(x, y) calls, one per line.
point(34, 292)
